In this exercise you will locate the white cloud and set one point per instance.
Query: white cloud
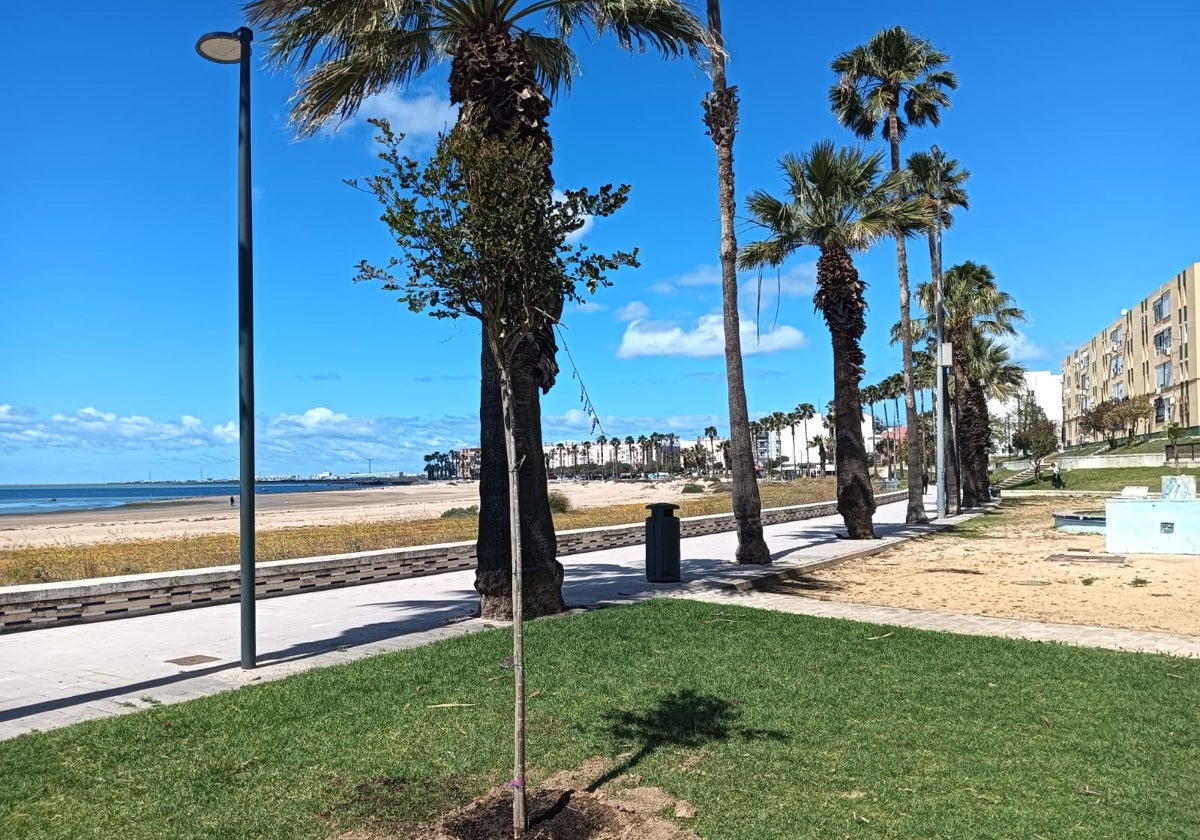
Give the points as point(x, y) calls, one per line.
point(1022, 349)
point(799, 280)
point(585, 306)
point(303, 443)
point(651, 338)
point(419, 116)
point(91, 428)
point(635, 310)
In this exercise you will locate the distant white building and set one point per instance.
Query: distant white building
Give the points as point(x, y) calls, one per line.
point(1045, 388)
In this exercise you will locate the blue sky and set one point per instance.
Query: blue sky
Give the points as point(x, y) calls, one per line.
point(1078, 121)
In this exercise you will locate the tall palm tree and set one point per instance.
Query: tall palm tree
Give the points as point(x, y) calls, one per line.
point(710, 432)
point(895, 71)
point(868, 396)
point(503, 73)
point(819, 442)
point(839, 203)
point(806, 412)
point(720, 117)
point(939, 179)
point(793, 418)
point(629, 444)
point(974, 304)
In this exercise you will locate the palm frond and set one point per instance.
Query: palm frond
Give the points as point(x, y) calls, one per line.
point(553, 60)
point(335, 89)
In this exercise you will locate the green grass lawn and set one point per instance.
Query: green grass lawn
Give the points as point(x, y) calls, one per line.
point(772, 725)
point(1112, 480)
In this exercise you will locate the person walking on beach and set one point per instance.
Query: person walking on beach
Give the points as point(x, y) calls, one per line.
point(1056, 480)
point(231, 501)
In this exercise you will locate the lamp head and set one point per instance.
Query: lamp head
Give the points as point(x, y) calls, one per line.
point(225, 47)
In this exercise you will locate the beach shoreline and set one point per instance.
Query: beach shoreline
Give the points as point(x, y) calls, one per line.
point(202, 515)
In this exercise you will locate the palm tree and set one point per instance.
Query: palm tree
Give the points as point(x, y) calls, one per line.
point(839, 203)
point(601, 441)
point(974, 304)
point(720, 117)
point(938, 178)
point(869, 394)
point(710, 432)
point(503, 73)
point(629, 442)
point(793, 417)
point(819, 442)
point(753, 430)
point(806, 412)
point(892, 70)
point(892, 388)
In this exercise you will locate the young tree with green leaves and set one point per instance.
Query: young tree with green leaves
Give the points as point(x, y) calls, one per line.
point(473, 226)
point(892, 83)
point(508, 59)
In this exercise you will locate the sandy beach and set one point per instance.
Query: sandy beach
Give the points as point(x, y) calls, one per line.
point(193, 517)
point(1023, 569)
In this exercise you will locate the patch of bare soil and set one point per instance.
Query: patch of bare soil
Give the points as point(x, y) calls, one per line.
point(563, 807)
point(1014, 564)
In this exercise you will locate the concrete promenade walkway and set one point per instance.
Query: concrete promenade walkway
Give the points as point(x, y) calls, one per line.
point(59, 676)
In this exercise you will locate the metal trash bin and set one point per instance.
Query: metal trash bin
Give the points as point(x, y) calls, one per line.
point(662, 543)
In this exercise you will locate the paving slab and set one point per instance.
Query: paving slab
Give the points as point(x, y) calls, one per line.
point(63, 675)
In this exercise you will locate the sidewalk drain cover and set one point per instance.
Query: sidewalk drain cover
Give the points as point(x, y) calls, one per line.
point(194, 659)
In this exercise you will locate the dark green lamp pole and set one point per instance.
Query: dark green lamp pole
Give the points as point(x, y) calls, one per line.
point(234, 48)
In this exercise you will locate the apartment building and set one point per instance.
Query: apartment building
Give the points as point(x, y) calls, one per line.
point(1147, 350)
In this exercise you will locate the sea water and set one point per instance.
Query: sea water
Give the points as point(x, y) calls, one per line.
point(47, 498)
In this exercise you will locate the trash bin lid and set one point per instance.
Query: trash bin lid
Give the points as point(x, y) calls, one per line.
point(661, 508)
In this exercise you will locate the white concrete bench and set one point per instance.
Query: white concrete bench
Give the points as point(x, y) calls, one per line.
point(1135, 492)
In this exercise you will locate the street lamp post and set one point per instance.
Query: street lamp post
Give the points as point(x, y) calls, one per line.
point(939, 325)
point(234, 48)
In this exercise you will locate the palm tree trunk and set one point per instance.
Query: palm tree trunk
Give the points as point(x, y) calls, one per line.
point(974, 486)
point(720, 115)
point(952, 494)
point(950, 442)
point(885, 428)
point(916, 503)
point(840, 299)
point(543, 574)
point(493, 78)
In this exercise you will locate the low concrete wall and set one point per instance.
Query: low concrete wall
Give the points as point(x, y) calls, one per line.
point(33, 606)
point(1095, 462)
point(1106, 462)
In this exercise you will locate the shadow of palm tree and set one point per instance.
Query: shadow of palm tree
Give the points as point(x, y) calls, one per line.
point(683, 718)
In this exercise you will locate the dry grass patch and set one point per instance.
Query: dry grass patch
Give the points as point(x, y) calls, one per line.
point(45, 564)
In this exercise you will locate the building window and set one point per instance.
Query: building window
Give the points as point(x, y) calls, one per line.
point(1117, 337)
point(1162, 375)
point(1162, 307)
point(1118, 365)
point(1162, 409)
point(1162, 342)
point(1118, 390)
